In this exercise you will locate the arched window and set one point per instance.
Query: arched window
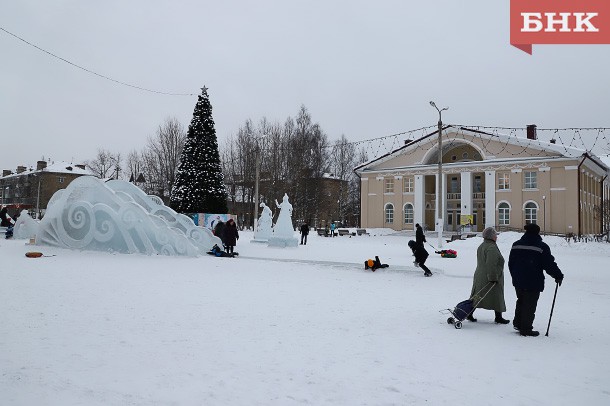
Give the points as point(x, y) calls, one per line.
point(531, 213)
point(389, 213)
point(408, 213)
point(503, 214)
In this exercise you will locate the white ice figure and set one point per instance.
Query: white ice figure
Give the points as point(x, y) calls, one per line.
point(283, 231)
point(25, 226)
point(90, 215)
point(264, 224)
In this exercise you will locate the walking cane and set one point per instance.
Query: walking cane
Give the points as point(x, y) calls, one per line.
point(552, 307)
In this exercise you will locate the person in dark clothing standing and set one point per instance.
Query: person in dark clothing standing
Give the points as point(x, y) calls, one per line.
point(231, 235)
point(5, 218)
point(420, 237)
point(421, 255)
point(304, 233)
point(529, 256)
point(219, 231)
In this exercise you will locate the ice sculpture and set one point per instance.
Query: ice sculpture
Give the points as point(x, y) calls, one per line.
point(283, 231)
point(264, 225)
point(119, 217)
point(25, 226)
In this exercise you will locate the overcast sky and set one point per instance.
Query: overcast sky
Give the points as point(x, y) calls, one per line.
point(364, 69)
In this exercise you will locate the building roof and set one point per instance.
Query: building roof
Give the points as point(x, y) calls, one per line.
point(54, 167)
point(560, 149)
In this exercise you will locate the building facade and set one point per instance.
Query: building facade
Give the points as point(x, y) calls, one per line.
point(31, 189)
point(487, 180)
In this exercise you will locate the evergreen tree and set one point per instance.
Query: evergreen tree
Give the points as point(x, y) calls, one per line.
point(199, 186)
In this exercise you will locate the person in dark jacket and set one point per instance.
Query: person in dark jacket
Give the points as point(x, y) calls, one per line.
point(5, 218)
point(219, 231)
point(231, 235)
point(421, 255)
point(529, 256)
point(304, 233)
point(420, 237)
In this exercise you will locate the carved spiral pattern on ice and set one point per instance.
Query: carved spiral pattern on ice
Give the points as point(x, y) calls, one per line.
point(117, 216)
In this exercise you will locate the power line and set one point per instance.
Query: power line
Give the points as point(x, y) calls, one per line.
point(92, 72)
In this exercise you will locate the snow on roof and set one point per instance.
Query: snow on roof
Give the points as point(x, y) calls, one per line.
point(605, 160)
point(565, 151)
point(56, 167)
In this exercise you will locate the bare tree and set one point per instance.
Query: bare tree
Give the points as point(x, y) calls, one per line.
point(343, 162)
point(105, 164)
point(602, 214)
point(162, 155)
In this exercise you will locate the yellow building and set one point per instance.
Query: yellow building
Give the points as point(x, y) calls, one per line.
point(487, 180)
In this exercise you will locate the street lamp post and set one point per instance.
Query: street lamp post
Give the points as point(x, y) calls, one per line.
point(256, 177)
point(439, 182)
point(256, 189)
point(543, 214)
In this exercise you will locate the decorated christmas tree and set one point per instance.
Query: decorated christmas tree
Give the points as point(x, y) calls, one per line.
point(199, 186)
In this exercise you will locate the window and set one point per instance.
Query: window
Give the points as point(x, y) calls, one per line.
point(531, 212)
point(407, 185)
point(530, 180)
point(503, 214)
point(389, 213)
point(61, 179)
point(389, 185)
point(454, 185)
point(408, 213)
point(477, 184)
point(504, 181)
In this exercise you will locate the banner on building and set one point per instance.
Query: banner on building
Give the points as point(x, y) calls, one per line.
point(466, 219)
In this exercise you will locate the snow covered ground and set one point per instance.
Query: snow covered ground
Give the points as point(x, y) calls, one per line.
point(306, 325)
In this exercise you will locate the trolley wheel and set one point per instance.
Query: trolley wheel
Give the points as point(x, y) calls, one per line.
point(450, 320)
point(458, 325)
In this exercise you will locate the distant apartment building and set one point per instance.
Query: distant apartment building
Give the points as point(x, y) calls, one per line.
point(487, 180)
point(31, 189)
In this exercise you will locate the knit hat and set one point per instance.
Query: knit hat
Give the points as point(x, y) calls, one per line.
point(489, 233)
point(532, 228)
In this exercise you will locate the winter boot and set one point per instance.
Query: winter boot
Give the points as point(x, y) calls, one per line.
point(500, 320)
point(428, 273)
point(471, 318)
point(529, 333)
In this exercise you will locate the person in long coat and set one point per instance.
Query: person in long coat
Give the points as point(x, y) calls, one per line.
point(231, 235)
point(488, 284)
point(420, 237)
